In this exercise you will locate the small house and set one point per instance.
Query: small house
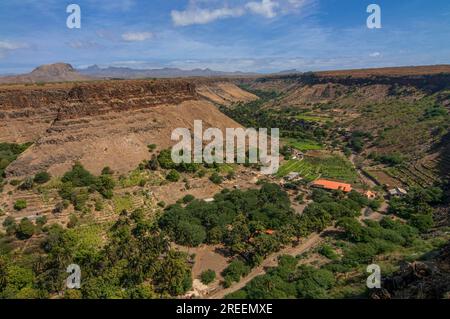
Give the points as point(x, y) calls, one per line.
point(292, 176)
point(397, 192)
point(331, 185)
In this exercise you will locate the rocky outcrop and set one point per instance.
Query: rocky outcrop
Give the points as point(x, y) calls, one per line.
point(419, 280)
point(106, 123)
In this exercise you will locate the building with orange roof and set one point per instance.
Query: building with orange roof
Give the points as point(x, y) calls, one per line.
point(330, 185)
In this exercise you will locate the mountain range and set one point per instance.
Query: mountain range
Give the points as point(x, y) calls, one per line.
point(129, 73)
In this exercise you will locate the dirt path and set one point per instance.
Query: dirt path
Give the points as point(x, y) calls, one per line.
point(368, 181)
point(271, 261)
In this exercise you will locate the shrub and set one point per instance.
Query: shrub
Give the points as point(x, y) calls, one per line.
point(173, 176)
point(188, 198)
point(208, 276)
point(328, 252)
point(105, 185)
point(235, 270)
point(20, 204)
point(151, 147)
point(161, 204)
point(191, 235)
point(422, 222)
point(201, 173)
point(27, 184)
point(25, 229)
point(42, 178)
point(79, 176)
point(98, 205)
point(216, 178)
point(107, 171)
point(165, 159)
point(73, 221)
point(231, 175)
point(41, 221)
point(14, 182)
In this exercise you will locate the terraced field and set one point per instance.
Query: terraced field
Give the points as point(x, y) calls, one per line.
point(303, 145)
point(327, 166)
point(413, 175)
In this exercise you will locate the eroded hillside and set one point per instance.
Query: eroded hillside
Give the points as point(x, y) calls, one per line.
point(105, 123)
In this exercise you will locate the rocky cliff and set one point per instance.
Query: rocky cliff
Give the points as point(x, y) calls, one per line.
point(105, 123)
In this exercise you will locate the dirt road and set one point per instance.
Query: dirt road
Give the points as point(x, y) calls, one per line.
point(271, 261)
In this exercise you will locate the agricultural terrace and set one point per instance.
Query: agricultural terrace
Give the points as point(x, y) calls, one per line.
point(331, 166)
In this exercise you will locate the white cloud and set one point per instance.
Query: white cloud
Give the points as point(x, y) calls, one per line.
point(7, 45)
point(266, 8)
point(83, 44)
point(375, 55)
point(136, 36)
point(195, 14)
point(203, 16)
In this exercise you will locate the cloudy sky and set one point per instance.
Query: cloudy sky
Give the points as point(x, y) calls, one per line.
point(228, 35)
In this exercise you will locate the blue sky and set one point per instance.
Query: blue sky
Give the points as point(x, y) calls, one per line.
point(245, 35)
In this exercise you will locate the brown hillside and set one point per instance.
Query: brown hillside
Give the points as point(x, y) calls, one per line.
point(393, 71)
point(108, 123)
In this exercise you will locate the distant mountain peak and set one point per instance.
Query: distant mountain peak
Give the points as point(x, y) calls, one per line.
point(55, 69)
point(57, 72)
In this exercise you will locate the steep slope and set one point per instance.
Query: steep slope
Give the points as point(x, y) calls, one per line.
point(395, 113)
point(100, 124)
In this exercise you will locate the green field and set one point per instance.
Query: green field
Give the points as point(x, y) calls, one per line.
point(303, 145)
point(312, 118)
point(333, 167)
point(307, 171)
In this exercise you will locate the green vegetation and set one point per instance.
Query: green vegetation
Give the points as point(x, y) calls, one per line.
point(326, 166)
point(8, 154)
point(42, 178)
point(405, 125)
point(107, 171)
point(20, 204)
point(27, 184)
point(236, 218)
point(417, 206)
point(25, 229)
point(134, 262)
point(235, 270)
point(311, 118)
point(122, 203)
point(79, 177)
point(358, 139)
point(388, 159)
point(288, 281)
point(78, 183)
point(303, 145)
point(293, 123)
point(216, 178)
point(328, 252)
point(173, 176)
point(208, 276)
